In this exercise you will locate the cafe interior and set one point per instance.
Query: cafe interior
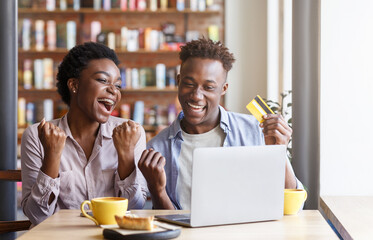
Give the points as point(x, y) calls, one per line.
point(310, 60)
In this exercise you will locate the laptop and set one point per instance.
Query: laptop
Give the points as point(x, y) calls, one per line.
point(235, 185)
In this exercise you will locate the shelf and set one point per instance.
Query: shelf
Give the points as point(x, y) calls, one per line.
point(117, 51)
point(113, 11)
point(23, 91)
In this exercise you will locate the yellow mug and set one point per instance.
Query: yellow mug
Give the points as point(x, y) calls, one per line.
point(104, 209)
point(293, 200)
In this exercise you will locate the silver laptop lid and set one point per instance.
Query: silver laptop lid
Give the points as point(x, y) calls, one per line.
point(237, 184)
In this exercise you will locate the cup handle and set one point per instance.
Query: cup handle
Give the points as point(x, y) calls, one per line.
point(85, 213)
point(305, 196)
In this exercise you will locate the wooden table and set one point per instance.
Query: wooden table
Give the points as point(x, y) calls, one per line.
point(352, 216)
point(309, 224)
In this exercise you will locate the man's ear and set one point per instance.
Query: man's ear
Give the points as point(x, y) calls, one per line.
point(177, 79)
point(72, 84)
point(224, 89)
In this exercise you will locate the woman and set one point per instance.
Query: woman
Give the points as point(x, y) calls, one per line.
point(87, 153)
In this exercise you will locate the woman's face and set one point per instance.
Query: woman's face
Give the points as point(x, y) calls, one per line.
point(97, 91)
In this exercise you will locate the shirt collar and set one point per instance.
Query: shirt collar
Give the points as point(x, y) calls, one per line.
point(224, 121)
point(104, 128)
point(175, 128)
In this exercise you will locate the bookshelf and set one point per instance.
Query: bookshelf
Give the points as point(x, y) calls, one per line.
point(171, 25)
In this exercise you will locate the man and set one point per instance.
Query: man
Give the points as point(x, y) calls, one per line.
point(167, 164)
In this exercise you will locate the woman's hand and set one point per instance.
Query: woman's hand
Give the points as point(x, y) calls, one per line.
point(276, 130)
point(53, 140)
point(125, 137)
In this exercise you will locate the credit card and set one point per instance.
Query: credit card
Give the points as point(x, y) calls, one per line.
point(257, 107)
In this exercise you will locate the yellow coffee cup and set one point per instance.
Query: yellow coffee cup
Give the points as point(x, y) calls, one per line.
point(293, 200)
point(104, 209)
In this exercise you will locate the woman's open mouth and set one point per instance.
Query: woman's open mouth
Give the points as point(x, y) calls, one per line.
point(107, 103)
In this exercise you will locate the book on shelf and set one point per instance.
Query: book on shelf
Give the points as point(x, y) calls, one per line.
point(147, 39)
point(180, 5)
point(111, 40)
point(106, 5)
point(51, 5)
point(95, 30)
point(154, 40)
point(61, 35)
point(48, 73)
point(27, 73)
point(25, 3)
point(30, 113)
point(201, 5)
point(48, 109)
point(213, 32)
point(39, 110)
point(76, 5)
point(142, 77)
point(141, 5)
point(132, 5)
point(171, 77)
point(26, 34)
point(51, 35)
point(63, 5)
point(97, 4)
point(123, 5)
point(163, 5)
point(125, 111)
point(149, 116)
point(141, 38)
point(191, 35)
point(172, 113)
point(135, 81)
point(38, 73)
point(193, 5)
point(123, 77)
point(132, 40)
point(123, 37)
point(39, 35)
point(161, 115)
point(153, 5)
point(70, 34)
point(128, 78)
point(138, 112)
point(148, 77)
point(21, 111)
point(160, 73)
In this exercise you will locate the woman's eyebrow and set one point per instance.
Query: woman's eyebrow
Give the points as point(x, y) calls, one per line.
point(103, 72)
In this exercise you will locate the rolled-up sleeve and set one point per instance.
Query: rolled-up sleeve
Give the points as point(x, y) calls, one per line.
point(36, 186)
point(134, 187)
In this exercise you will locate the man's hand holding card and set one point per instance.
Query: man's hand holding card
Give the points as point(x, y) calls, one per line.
point(275, 129)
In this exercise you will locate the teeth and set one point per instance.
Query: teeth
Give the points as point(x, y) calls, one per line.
point(195, 106)
point(106, 101)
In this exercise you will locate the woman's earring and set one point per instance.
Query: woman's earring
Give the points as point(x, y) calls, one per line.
point(74, 91)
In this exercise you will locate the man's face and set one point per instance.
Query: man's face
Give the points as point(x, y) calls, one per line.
point(201, 84)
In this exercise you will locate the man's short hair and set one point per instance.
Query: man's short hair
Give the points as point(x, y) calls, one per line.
point(206, 48)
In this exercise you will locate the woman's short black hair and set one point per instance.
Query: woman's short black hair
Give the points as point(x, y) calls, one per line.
point(77, 60)
point(206, 48)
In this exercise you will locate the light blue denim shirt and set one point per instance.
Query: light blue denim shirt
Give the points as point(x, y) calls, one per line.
point(240, 130)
